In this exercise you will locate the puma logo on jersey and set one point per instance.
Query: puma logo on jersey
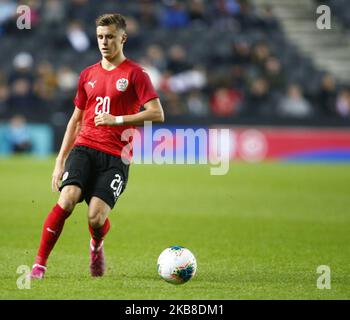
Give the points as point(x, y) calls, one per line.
point(92, 84)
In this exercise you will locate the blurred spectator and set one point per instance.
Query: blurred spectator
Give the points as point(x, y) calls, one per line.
point(23, 64)
point(326, 95)
point(173, 104)
point(45, 82)
point(197, 104)
point(153, 72)
point(227, 7)
point(267, 20)
point(197, 13)
point(146, 14)
point(343, 103)
point(4, 95)
point(53, 12)
point(3, 78)
point(258, 101)
point(294, 104)
point(223, 13)
point(134, 36)
point(22, 99)
point(177, 59)
point(173, 15)
point(187, 80)
point(66, 83)
point(18, 135)
point(238, 78)
point(164, 84)
point(156, 56)
point(246, 17)
point(241, 53)
point(260, 54)
point(66, 80)
point(274, 74)
point(225, 102)
point(80, 10)
point(7, 11)
point(77, 36)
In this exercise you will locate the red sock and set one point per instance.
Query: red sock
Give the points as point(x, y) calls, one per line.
point(53, 226)
point(99, 234)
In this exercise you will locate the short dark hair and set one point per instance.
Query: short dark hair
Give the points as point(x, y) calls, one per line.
point(108, 19)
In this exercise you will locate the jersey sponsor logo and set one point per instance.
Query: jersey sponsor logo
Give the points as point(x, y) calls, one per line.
point(122, 84)
point(65, 176)
point(92, 84)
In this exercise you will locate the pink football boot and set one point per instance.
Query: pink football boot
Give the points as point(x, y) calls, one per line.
point(38, 272)
point(97, 260)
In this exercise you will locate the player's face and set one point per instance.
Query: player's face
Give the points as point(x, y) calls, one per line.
point(110, 41)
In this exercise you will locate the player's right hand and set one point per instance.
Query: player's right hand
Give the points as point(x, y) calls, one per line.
point(57, 176)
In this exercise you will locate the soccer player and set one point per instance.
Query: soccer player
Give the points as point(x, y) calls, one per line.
point(91, 162)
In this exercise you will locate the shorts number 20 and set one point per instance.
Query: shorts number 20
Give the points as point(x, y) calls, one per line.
point(117, 185)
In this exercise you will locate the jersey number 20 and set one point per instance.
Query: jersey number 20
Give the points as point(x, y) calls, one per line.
point(103, 105)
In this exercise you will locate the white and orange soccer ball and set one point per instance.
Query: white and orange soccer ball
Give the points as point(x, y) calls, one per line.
point(177, 265)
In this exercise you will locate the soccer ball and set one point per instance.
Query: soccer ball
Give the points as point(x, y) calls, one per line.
point(177, 265)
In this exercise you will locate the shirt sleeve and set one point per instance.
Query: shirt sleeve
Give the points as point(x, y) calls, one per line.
point(143, 87)
point(81, 97)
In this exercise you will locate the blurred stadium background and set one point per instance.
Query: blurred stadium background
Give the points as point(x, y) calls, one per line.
point(260, 68)
point(234, 63)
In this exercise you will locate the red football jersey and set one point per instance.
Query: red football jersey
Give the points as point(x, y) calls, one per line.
point(121, 91)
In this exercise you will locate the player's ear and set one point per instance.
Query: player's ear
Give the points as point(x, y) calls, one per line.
point(124, 37)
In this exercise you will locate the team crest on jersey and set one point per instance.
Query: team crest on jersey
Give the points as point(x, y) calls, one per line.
point(122, 84)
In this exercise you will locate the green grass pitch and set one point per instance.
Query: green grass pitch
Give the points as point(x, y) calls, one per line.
point(259, 232)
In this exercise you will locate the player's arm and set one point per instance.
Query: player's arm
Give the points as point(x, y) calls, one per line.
point(153, 112)
point(73, 128)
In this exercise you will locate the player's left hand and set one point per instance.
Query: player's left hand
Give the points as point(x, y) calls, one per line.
point(105, 119)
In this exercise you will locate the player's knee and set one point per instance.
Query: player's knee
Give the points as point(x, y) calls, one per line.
point(69, 197)
point(67, 204)
point(96, 219)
